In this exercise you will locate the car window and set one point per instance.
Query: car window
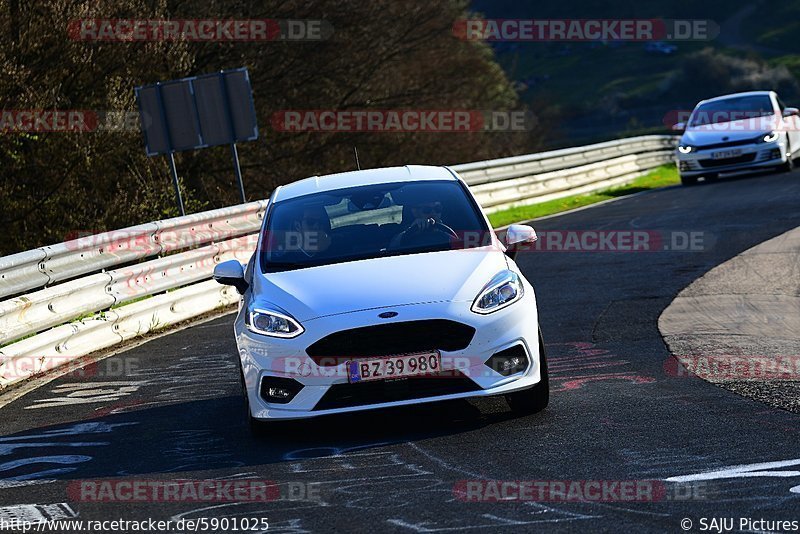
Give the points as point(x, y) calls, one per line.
point(371, 221)
point(732, 109)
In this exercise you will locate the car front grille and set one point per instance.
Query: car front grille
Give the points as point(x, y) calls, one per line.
point(405, 337)
point(727, 144)
point(420, 387)
point(745, 158)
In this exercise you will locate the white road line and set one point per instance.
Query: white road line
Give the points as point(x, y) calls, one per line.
point(36, 513)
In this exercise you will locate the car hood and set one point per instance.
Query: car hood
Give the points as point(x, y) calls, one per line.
point(379, 282)
point(744, 129)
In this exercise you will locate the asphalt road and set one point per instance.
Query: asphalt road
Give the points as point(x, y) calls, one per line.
point(752, 300)
point(174, 412)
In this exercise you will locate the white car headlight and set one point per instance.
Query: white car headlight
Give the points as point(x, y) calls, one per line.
point(685, 149)
point(272, 323)
point(503, 289)
point(771, 137)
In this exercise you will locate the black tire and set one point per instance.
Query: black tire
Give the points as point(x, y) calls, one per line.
point(533, 400)
point(789, 165)
point(257, 427)
point(688, 180)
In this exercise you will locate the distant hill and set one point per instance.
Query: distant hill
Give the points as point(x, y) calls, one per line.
point(593, 91)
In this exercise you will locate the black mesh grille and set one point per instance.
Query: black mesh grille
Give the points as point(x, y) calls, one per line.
point(726, 144)
point(344, 395)
point(393, 338)
point(728, 161)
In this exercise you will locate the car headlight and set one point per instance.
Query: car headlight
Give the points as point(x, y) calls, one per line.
point(770, 137)
point(685, 149)
point(272, 323)
point(503, 289)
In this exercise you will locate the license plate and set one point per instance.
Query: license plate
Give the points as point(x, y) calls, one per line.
point(726, 154)
point(390, 367)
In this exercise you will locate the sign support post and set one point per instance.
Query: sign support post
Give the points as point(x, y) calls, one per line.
point(198, 112)
point(177, 185)
point(238, 171)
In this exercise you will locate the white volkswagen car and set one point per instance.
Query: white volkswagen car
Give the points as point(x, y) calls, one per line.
point(381, 288)
point(743, 131)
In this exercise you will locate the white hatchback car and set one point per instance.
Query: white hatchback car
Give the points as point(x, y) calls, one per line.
point(380, 288)
point(731, 133)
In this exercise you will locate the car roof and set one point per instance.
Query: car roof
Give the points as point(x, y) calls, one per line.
point(736, 95)
point(319, 184)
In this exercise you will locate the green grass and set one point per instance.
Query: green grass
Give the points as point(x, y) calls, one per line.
point(593, 78)
point(660, 177)
point(791, 61)
point(133, 301)
point(777, 27)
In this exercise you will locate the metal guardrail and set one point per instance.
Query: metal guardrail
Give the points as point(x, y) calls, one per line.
point(79, 312)
point(47, 265)
point(61, 303)
point(502, 183)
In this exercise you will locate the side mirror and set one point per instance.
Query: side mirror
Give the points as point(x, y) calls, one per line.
point(791, 112)
point(681, 126)
point(231, 273)
point(516, 235)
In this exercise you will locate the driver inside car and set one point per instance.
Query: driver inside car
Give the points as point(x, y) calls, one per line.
point(309, 235)
point(427, 227)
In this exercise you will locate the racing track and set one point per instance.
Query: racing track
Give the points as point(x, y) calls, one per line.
point(614, 413)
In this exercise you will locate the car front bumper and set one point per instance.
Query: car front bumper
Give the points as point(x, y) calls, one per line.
point(466, 369)
point(750, 157)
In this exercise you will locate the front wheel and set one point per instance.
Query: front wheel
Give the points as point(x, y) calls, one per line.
point(535, 399)
point(788, 166)
point(257, 427)
point(688, 180)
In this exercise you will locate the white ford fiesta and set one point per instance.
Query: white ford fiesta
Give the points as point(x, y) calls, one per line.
point(379, 288)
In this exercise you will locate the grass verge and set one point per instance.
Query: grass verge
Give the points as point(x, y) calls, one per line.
point(659, 177)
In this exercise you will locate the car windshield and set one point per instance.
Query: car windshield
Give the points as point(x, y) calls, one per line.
point(732, 109)
point(371, 221)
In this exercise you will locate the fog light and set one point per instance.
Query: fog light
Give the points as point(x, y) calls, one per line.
point(279, 393)
point(509, 361)
point(279, 390)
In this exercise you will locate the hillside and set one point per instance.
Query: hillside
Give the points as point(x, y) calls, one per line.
point(595, 90)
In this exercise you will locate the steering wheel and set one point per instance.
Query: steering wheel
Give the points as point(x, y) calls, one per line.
point(440, 227)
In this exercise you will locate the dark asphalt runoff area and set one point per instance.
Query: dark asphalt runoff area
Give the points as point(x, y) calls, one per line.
point(170, 409)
